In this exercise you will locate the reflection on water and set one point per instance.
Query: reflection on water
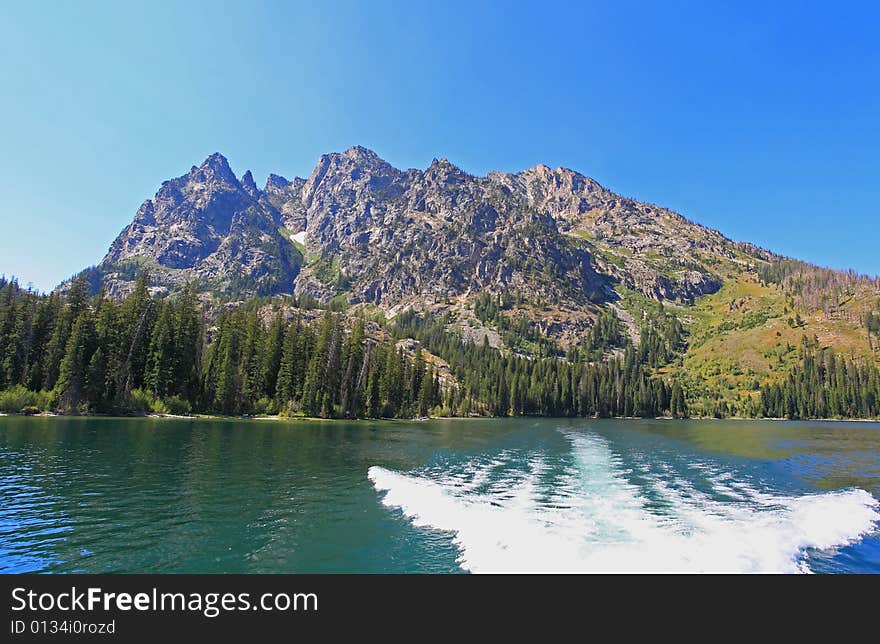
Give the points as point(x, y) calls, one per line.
point(151, 495)
point(832, 455)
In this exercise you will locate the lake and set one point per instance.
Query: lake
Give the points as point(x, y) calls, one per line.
point(496, 495)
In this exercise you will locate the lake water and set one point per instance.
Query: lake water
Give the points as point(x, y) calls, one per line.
point(169, 495)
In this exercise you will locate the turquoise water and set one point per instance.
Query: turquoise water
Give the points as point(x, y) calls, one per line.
point(169, 495)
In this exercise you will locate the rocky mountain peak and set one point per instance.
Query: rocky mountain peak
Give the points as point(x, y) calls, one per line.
point(206, 226)
point(249, 185)
point(352, 175)
point(445, 165)
point(374, 233)
point(214, 170)
point(276, 182)
point(360, 153)
point(217, 163)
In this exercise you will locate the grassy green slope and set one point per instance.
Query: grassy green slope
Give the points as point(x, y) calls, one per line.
point(748, 333)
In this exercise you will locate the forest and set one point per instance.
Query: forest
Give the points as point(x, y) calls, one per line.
point(81, 354)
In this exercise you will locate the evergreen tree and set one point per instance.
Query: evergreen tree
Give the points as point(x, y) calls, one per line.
point(426, 392)
point(93, 351)
point(136, 320)
point(678, 407)
point(162, 353)
point(228, 376)
point(96, 381)
point(317, 379)
point(74, 304)
point(189, 332)
point(374, 376)
point(353, 380)
point(77, 357)
point(272, 357)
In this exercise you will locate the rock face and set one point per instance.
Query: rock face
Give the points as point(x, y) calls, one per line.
point(362, 230)
point(387, 236)
point(206, 226)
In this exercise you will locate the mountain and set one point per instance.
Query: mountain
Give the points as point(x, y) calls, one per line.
point(207, 226)
point(528, 262)
point(388, 236)
point(362, 231)
point(556, 246)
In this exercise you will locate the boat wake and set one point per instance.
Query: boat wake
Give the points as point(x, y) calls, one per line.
point(591, 514)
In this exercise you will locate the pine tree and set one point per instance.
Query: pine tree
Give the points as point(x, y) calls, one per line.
point(77, 355)
point(391, 385)
point(352, 382)
point(426, 392)
point(677, 405)
point(228, 377)
point(285, 389)
point(188, 345)
point(317, 380)
point(136, 320)
point(74, 304)
point(252, 360)
point(96, 381)
point(161, 356)
point(272, 357)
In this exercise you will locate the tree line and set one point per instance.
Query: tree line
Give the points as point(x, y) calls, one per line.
point(93, 354)
point(824, 385)
point(81, 354)
point(491, 382)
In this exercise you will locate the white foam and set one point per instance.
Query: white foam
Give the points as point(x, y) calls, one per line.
point(592, 518)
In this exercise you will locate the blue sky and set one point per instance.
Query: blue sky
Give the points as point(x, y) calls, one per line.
point(759, 119)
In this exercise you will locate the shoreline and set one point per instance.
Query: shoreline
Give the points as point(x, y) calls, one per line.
point(431, 418)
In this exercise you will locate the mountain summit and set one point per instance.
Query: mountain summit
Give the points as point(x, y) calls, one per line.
point(374, 233)
point(207, 226)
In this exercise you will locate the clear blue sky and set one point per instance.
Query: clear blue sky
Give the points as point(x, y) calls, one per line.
point(759, 119)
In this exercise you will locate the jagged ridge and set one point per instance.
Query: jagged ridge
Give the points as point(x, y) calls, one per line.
point(383, 235)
